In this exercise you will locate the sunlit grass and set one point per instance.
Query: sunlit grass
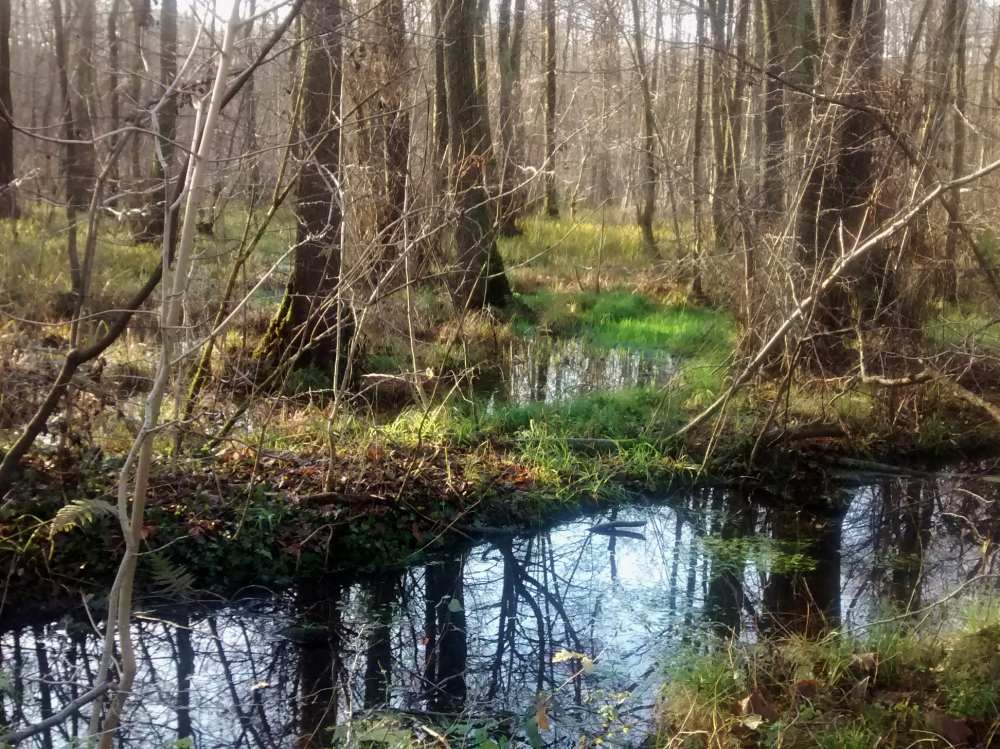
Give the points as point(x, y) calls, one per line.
point(966, 329)
point(623, 318)
point(35, 273)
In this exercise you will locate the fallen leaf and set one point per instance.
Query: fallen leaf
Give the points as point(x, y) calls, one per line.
point(756, 704)
point(865, 661)
point(805, 688)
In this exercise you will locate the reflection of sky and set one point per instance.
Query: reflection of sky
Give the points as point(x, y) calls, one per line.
point(630, 611)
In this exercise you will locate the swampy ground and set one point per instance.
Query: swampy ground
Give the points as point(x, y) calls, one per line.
point(505, 440)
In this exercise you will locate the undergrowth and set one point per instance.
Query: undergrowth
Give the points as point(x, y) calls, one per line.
point(896, 684)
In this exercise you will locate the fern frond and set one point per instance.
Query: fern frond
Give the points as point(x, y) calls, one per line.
point(78, 513)
point(169, 579)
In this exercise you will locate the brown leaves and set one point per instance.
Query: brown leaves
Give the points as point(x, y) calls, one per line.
point(805, 689)
point(865, 662)
point(756, 703)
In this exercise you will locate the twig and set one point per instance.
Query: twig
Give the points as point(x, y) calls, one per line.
point(56, 718)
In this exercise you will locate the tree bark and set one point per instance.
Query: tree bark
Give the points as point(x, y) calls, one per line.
point(481, 279)
point(509, 37)
point(774, 110)
point(647, 209)
point(166, 125)
point(949, 273)
point(8, 196)
point(551, 194)
point(697, 156)
point(308, 326)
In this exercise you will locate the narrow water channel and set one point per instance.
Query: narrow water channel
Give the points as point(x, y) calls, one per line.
point(472, 638)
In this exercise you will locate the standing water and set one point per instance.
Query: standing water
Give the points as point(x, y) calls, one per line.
point(576, 622)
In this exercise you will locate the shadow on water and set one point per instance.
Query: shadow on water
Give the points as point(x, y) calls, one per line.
point(469, 639)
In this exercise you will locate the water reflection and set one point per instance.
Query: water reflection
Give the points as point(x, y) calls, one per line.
point(546, 369)
point(475, 632)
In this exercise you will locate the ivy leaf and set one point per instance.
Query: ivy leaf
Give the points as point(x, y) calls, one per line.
point(455, 606)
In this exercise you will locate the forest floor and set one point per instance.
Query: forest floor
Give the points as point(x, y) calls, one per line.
point(572, 399)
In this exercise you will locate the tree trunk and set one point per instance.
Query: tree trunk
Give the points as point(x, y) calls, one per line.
point(647, 208)
point(8, 197)
point(836, 205)
point(697, 156)
point(481, 279)
point(308, 327)
point(167, 123)
point(140, 20)
point(986, 87)
point(72, 163)
point(114, 99)
point(509, 36)
point(551, 196)
point(392, 123)
point(776, 12)
point(949, 273)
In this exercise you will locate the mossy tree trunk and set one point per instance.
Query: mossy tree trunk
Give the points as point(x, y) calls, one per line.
point(307, 327)
point(481, 280)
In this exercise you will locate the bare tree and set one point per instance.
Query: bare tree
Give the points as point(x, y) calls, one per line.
point(647, 208)
point(510, 32)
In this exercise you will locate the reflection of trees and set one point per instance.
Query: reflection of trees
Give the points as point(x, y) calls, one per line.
point(447, 660)
point(44, 681)
point(907, 508)
point(185, 668)
point(319, 660)
point(482, 627)
point(383, 591)
point(805, 599)
point(724, 600)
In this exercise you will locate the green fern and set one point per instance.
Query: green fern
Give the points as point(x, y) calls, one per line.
point(78, 513)
point(169, 579)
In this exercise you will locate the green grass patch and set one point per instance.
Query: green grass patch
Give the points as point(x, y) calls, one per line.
point(959, 328)
point(35, 274)
point(623, 318)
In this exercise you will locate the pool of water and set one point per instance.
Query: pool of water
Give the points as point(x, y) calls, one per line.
point(581, 618)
